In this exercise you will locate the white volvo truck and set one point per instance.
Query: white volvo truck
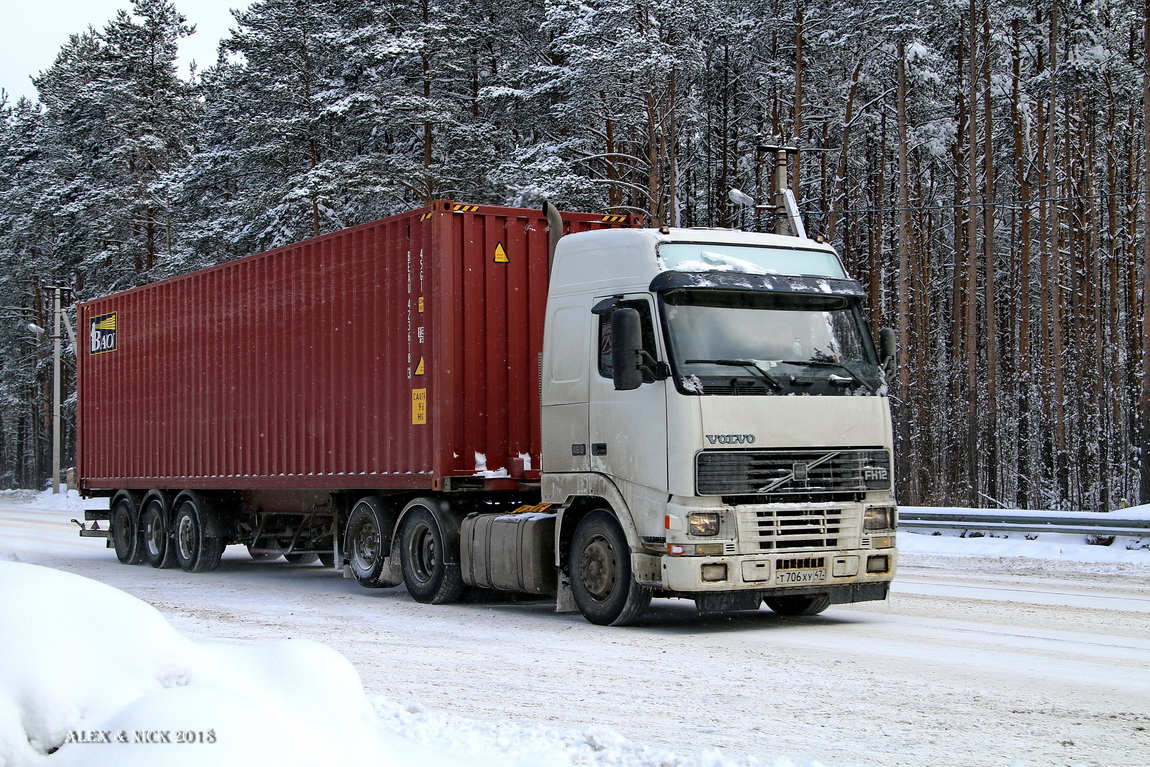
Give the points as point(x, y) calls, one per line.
point(722, 433)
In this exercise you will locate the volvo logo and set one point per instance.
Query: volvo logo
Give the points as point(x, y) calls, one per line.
point(731, 439)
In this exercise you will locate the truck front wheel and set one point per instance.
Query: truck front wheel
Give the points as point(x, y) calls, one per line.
point(196, 551)
point(602, 584)
point(427, 572)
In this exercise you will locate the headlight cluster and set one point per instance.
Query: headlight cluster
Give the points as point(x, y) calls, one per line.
point(880, 518)
point(703, 523)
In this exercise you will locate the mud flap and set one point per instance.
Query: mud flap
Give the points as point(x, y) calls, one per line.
point(564, 599)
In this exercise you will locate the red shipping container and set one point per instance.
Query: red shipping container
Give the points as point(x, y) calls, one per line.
point(385, 356)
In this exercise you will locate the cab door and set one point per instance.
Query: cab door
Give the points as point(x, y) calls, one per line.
point(628, 429)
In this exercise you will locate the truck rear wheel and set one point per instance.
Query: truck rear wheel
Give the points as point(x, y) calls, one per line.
point(126, 532)
point(602, 584)
point(368, 535)
point(157, 546)
point(798, 605)
point(196, 550)
point(427, 572)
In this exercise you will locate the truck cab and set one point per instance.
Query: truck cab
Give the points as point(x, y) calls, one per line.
point(715, 425)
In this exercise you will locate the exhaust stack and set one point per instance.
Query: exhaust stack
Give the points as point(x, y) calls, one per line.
point(554, 230)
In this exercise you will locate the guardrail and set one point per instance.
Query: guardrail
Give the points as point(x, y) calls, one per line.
point(1034, 522)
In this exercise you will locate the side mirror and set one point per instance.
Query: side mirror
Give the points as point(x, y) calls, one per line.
point(626, 344)
point(887, 350)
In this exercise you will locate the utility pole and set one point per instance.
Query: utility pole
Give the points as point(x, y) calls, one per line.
point(58, 318)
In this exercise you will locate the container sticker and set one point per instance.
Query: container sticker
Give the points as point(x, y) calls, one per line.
point(419, 304)
point(102, 334)
point(501, 254)
point(419, 369)
point(418, 406)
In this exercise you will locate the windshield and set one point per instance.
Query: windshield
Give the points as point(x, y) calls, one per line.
point(716, 257)
point(734, 342)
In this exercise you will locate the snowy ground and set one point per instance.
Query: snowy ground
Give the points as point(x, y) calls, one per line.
point(990, 652)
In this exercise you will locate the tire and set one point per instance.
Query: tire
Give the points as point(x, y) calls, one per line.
point(798, 605)
point(196, 551)
point(262, 556)
point(327, 559)
point(301, 559)
point(368, 534)
point(602, 584)
point(429, 576)
point(126, 532)
point(155, 541)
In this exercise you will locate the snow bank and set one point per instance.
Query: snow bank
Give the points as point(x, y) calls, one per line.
point(92, 676)
point(1047, 546)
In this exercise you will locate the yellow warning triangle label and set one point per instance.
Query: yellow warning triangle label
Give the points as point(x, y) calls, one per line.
point(501, 254)
point(419, 367)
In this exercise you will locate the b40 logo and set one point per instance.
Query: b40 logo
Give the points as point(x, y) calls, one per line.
point(102, 334)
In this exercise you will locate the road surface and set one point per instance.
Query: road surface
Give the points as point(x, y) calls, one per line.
point(972, 661)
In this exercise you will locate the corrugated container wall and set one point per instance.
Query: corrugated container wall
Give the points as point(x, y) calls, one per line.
point(383, 356)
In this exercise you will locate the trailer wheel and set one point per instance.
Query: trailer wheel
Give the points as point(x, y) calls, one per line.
point(798, 605)
point(602, 584)
point(327, 559)
point(261, 556)
point(196, 551)
point(366, 538)
point(429, 576)
point(126, 532)
point(158, 550)
point(301, 559)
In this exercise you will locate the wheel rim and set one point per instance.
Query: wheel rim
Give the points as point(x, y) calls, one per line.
point(154, 533)
point(186, 537)
point(365, 545)
point(422, 552)
point(123, 529)
point(598, 568)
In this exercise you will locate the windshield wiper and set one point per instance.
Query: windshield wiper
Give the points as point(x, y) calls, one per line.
point(839, 365)
point(741, 364)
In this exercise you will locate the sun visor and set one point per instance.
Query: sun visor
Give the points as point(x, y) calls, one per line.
point(773, 283)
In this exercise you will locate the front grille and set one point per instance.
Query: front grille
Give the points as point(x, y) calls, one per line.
point(801, 563)
point(737, 387)
point(781, 475)
point(785, 529)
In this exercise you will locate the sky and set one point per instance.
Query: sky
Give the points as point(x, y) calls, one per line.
point(32, 33)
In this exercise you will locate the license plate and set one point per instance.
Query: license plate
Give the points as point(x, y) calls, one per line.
point(792, 577)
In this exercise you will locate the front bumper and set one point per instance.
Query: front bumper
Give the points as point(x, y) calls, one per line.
point(790, 572)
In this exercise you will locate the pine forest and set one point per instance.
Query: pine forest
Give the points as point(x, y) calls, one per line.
point(981, 165)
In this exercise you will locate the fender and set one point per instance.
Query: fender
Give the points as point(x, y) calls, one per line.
point(449, 521)
point(564, 489)
point(215, 526)
point(165, 498)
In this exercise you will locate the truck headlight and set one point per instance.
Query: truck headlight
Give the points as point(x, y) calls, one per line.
point(703, 523)
point(879, 518)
